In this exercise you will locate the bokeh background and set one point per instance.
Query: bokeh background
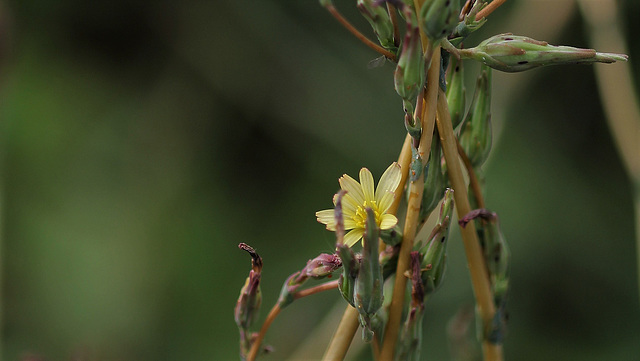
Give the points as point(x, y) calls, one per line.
point(143, 140)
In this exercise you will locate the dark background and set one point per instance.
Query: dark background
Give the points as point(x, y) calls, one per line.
point(143, 140)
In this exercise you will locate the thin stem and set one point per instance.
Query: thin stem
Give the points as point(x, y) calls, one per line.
point(394, 21)
point(255, 346)
point(473, 179)
point(389, 55)
point(341, 340)
point(475, 259)
point(416, 189)
point(316, 289)
point(405, 161)
point(489, 9)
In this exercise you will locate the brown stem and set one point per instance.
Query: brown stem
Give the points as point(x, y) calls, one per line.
point(473, 179)
point(394, 21)
point(416, 189)
point(489, 9)
point(475, 259)
point(255, 346)
point(316, 289)
point(389, 55)
point(341, 340)
point(405, 163)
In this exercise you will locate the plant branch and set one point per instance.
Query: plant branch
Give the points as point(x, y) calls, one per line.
point(255, 346)
point(404, 159)
point(341, 340)
point(347, 25)
point(316, 289)
point(489, 9)
point(475, 259)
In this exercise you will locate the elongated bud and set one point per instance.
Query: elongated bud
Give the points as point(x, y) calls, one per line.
point(368, 287)
point(514, 53)
point(434, 251)
point(435, 181)
point(347, 280)
point(320, 267)
point(456, 92)
point(439, 18)
point(475, 132)
point(378, 16)
point(248, 305)
point(409, 75)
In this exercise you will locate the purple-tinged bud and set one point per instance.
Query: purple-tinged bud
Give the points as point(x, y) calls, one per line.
point(322, 266)
point(514, 53)
point(248, 305)
point(378, 16)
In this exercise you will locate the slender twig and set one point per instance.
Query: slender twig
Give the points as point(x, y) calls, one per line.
point(416, 189)
point(405, 161)
point(316, 289)
point(255, 346)
point(475, 259)
point(489, 9)
point(473, 179)
point(336, 14)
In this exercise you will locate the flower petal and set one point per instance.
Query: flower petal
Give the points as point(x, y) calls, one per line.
point(389, 181)
point(352, 187)
point(353, 236)
point(366, 179)
point(388, 221)
point(327, 217)
point(349, 224)
point(349, 206)
point(385, 202)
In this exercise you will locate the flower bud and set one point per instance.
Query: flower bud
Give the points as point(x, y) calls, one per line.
point(435, 181)
point(409, 76)
point(456, 92)
point(347, 279)
point(439, 18)
point(380, 21)
point(248, 305)
point(322, 266)
point(514, 53)
point(475, 132)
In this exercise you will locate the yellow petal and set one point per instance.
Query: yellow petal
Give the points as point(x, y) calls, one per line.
point(388, 221)
point(366, 180)
point(350, 185)
point(389, 181)
point(349, 224)
point(385, 202)
point(327, 217)
point(349, 206)
point(353, 236)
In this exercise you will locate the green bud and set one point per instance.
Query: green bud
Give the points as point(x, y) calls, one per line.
point(435, 181)
point(409, 76)
point(347, 279)
point(439, 18)
point(392, 237)
point(434, 251)
point(514, 53)
point(475, 132)
point(380, 21)
point(368, 287)
point(469, 24)
point(456, 92)
point(416, 165)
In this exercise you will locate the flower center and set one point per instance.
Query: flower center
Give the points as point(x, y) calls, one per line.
point(361, 215)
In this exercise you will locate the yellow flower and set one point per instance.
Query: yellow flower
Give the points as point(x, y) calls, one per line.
point(361, 196)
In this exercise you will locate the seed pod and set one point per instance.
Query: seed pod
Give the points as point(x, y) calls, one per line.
point(514, 53)
point(380, 21)
point(456, 92)
point(439, 18)
point(475, 132)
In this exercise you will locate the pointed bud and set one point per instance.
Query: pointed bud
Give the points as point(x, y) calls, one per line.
point(409, 76)
point(368, 287)
point(439, 18)
point(475, 132)
point(248, 305)
point(378, 16)
point(514, 53)
point(322, 266)
point(456, 92)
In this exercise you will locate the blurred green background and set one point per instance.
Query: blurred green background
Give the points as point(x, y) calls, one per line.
point(143, 140)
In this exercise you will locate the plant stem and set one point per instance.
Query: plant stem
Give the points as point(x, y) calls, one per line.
point(416, 189)
point(394, 20)
point(475, 259)
point(405, 161)
point(489, 9)
point(255, 346)
point(316, 289)
point(341, 340)
point(473, 179)
point(333, 11)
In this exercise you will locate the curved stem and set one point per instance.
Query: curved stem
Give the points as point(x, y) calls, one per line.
point(255, 346)
point(333, 11)
point(316, 289)
point(475, 259)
